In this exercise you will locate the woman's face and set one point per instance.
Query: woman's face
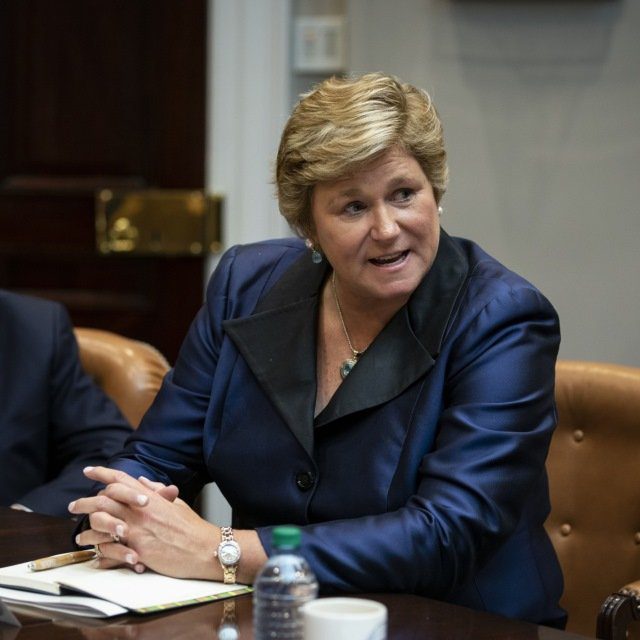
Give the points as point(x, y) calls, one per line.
point(379, 228)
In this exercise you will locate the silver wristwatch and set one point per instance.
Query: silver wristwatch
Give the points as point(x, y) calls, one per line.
point(228, 554)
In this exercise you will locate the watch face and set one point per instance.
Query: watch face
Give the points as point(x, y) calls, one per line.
point(229, 553)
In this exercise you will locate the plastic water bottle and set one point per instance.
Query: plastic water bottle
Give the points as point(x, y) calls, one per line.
point(283, 585)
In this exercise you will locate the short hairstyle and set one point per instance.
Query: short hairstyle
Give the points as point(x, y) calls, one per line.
point(342, 124)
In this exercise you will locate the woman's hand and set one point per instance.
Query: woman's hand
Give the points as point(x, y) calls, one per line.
point(145, 524)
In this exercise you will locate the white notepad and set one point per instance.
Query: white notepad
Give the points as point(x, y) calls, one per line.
point(83, 589)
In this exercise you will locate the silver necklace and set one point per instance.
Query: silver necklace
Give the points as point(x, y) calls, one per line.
point(349, 363)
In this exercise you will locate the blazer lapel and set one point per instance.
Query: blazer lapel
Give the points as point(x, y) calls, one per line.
point(391, 363)
point(278, 343)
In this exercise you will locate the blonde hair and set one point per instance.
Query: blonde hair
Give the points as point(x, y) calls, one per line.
point(346, 122)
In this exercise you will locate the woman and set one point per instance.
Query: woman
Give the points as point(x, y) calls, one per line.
point(390, 390)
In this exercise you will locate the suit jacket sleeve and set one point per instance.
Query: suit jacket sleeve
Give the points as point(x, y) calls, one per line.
point(85, 426)
point(169, 443)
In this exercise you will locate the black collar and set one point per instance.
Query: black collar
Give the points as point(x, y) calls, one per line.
point(278, 342)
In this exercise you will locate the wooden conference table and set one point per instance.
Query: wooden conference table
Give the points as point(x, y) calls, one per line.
point(25, 536)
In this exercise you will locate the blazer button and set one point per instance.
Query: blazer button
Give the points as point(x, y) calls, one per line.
point(304, 480)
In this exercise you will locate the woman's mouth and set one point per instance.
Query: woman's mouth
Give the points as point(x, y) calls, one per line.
point(392, 258)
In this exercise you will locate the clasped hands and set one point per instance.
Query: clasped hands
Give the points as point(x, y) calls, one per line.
point(140, 523)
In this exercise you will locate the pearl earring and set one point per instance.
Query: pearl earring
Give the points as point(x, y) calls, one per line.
point(440, 211)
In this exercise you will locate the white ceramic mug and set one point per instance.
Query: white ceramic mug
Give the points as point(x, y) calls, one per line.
point(344, 619)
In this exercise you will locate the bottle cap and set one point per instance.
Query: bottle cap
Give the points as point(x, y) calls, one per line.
point(286, 537)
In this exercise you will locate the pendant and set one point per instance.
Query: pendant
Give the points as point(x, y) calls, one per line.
point(346, 366)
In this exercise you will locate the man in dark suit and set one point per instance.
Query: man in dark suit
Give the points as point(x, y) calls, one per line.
point(54, 420)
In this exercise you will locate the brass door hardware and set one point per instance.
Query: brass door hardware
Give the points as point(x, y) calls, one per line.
point(158, 222)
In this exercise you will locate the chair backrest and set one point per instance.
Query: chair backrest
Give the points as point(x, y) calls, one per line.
point(129, 371)
point(594, 478)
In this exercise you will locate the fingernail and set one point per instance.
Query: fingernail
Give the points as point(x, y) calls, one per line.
point(87, 469)
point(143, 478)
point(139, 568)
point(120, 531)
point(77, 539)
point(142, 500)
point(129, 558)
point(72, 506)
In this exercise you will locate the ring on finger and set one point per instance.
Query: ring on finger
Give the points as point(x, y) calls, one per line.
point(99, 554)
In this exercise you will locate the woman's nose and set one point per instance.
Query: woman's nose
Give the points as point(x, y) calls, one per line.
point(385, 225)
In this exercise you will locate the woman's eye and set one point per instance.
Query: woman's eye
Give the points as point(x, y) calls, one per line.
point(402, 195)
point(354, 207)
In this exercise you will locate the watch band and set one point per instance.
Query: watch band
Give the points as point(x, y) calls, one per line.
point(228, 554)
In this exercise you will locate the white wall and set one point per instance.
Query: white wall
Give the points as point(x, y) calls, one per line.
point(541, 107)
point(247, 107)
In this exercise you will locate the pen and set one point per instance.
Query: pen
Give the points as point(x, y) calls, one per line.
point(60, 560)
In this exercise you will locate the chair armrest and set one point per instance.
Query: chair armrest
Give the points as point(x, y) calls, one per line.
point(618, 611)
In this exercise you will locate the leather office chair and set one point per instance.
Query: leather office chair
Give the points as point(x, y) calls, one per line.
point(594, 477)
point(129, 371)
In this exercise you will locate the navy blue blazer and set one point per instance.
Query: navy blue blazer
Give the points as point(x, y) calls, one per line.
point(54, 420)
point(425, 473)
